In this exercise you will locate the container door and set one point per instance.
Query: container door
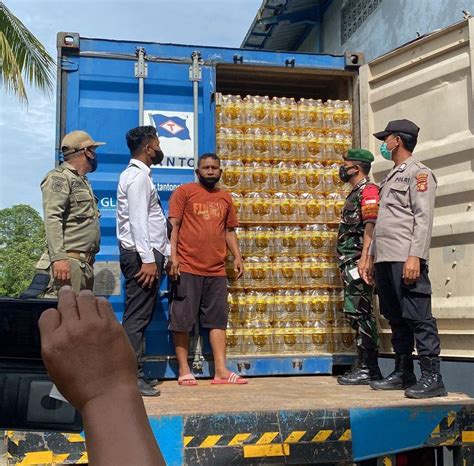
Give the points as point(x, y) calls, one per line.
point(430, 82)
point(99, 93)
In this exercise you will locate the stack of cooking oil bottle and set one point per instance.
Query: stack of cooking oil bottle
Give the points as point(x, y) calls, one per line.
point(280, 162)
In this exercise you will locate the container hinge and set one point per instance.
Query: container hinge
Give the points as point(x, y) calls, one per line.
point(68, 64)
point(195, 72)
point(290, 62)
point(141, 67)
point(238, 59)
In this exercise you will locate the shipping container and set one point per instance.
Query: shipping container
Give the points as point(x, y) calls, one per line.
point(107, 87)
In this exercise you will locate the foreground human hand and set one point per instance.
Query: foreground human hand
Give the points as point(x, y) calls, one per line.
point(89, 358)
point(411, 270)
point(85, 349)
point(62, 271)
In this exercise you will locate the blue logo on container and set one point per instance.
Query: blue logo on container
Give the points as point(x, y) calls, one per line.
point(171, 127)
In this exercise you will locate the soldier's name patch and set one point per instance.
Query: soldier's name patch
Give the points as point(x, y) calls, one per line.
point(57, 185)
point(422, 182)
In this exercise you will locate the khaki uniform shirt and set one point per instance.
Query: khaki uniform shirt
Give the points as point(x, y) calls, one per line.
point(71, 215)
point(405, 218)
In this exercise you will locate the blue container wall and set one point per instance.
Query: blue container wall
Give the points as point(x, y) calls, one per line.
point(102, 99)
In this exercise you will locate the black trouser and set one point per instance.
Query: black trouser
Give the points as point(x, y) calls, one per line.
point(140, 302)
point(407, 309)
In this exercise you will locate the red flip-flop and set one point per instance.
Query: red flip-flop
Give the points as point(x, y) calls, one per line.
point(233, 379)
point(187, 380)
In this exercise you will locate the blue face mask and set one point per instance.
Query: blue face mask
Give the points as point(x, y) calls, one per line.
point(384, 152)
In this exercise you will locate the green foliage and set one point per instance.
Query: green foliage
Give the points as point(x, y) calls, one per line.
point(22, 241)
point(22, 56)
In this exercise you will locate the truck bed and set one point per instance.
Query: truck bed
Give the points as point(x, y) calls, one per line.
point(278, 420)
point(300, 420)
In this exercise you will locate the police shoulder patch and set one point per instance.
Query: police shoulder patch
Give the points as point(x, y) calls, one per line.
point(422, 182)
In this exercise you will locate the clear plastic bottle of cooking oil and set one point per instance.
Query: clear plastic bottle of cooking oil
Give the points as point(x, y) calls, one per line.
point(232, 110)
point(333, 274)
point(332, 238)
point(236, 300)
point(260, 305)
point(240, 233)
point(232, 175)
point(258, 144)
point(258, 337)
point(329, 115)
point(285, 207)
point(287, 240)
point(311, 178)
point(258, 176)
point(285, 177)
point(288, 305)
point(330, 155)
point(340, 148)
point(285, 112)
point(285, 144)
point(259, 241)
point(316, 337)
point(234, 338)
point(258, 110)
point(343, 115)
point(258, 207)
point(258, 273)
point(311, 272)
point(316, 304)
point(290, 338)
point(334, 204)
point(316, 240)
point(286, 272)
point(237, 200)
point(315, 145)
point(311, 114)
point(311, 208)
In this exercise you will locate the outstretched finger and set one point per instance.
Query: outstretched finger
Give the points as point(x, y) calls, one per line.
point(48, 322)
point(87, 305)
point(67, 304)
point(104, 308)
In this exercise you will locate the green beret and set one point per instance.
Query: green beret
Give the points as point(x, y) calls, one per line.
point(359, 155)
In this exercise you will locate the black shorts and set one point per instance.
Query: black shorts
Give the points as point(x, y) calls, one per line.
point(196, 295)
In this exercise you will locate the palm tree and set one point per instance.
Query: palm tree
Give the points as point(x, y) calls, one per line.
point(23, 57)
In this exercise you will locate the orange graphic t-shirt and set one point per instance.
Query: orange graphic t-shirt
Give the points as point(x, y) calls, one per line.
point(204, 218)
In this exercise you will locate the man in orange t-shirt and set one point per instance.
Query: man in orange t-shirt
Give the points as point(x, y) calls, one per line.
point(203, 219)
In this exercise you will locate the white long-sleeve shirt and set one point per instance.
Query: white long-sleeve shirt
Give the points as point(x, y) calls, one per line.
point(141, 223)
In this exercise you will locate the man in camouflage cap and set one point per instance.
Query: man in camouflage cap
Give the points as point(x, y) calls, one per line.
point(71, 217)
point(355, 235)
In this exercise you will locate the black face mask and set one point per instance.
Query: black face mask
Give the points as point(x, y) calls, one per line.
point(158, 157)
point(343, 175)
point(209, 183)
point(93, 163)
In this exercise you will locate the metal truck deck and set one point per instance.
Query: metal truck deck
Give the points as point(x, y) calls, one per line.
point(281, 420)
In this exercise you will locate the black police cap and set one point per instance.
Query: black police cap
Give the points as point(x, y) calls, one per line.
point(398, 126)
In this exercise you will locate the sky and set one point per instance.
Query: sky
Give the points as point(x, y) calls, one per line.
point(27, 134)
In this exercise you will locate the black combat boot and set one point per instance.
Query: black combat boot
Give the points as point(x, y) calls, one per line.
point(402, 377)
point(366, 370)
point(430, 383)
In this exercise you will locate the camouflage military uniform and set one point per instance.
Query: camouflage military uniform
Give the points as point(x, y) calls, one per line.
point(360, 208)
point(72, 228)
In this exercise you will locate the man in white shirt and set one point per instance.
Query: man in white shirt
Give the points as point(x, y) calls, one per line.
point(143, 239)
